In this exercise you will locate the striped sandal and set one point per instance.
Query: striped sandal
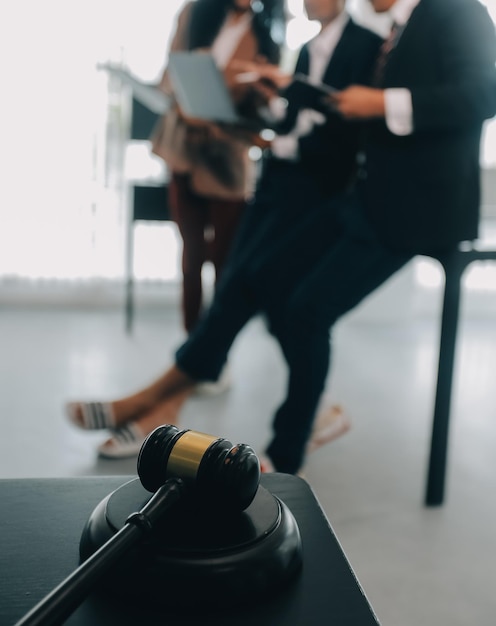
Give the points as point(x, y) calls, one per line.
point(124, 443)
point(91, 415)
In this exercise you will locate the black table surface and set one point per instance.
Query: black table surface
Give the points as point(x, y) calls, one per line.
point(40, 529)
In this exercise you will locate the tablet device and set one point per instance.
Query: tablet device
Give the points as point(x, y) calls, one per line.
point(303, 94)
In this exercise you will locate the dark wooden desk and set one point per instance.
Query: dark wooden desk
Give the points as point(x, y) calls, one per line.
point(40, 528)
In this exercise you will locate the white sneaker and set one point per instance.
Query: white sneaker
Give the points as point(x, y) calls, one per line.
point(330, 424)
point(266, 466)
point(215, 388)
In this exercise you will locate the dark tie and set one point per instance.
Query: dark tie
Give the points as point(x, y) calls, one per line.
point(385, 50)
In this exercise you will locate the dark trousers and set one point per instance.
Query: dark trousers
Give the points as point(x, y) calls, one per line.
point(207, 227)
point(337, 275)
point(312, 276)
point(284, 197)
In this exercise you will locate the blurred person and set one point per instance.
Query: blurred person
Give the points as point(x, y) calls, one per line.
point(211, 175)
point(312, 159)
point(418, 190)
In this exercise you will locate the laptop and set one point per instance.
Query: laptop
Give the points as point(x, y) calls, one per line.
point(201, 90)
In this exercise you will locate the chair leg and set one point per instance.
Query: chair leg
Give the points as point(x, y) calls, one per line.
point(129, 303)
point(440, 428)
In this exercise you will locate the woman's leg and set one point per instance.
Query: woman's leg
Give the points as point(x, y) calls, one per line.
point(129, 408)
point(189, 211)
point(224, 218)
point(164, 412)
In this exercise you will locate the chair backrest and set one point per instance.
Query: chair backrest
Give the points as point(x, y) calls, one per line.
point(149, 201)
point(142, 121)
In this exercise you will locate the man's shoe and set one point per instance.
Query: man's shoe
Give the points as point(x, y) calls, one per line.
point(330, 424)
point(214, 388)
point(266, 466)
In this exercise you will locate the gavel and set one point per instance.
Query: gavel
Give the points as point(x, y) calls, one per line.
point(172, 464)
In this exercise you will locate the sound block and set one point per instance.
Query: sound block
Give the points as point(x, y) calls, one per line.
point(217, 557)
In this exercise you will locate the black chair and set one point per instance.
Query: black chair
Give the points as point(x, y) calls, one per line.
point(454, 264)
point(148, 201)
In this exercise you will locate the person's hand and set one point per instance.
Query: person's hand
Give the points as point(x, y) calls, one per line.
point(271, 81)
point(357, 102)
point(241, 66)
point(263, 78)
point(254, 72)
point(266, 90)
point(272, 74)
point(249, 137)
point(260, 141)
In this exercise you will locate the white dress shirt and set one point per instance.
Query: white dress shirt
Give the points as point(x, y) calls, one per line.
point(320, 49)
point(398, 102)
point(228, 38)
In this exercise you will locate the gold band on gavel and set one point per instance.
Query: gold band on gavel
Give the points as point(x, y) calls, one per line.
point(187, 453)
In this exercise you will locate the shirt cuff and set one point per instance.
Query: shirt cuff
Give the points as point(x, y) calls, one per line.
point(399, 111)
point(285, 147)
point(276, 109)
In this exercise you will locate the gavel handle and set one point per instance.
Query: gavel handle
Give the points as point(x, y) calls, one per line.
point(60, 603)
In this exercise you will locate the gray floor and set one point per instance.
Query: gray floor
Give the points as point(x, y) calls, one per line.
point(417, 566)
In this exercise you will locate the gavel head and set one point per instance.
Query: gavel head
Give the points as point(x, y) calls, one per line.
point(218, 471)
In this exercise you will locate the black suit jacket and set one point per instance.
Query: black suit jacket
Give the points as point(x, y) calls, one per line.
point(328, 153)
point(422, 190)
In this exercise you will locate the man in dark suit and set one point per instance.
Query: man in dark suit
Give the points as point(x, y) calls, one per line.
point(418, 191)
point(313, 155)
point(445, 59)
